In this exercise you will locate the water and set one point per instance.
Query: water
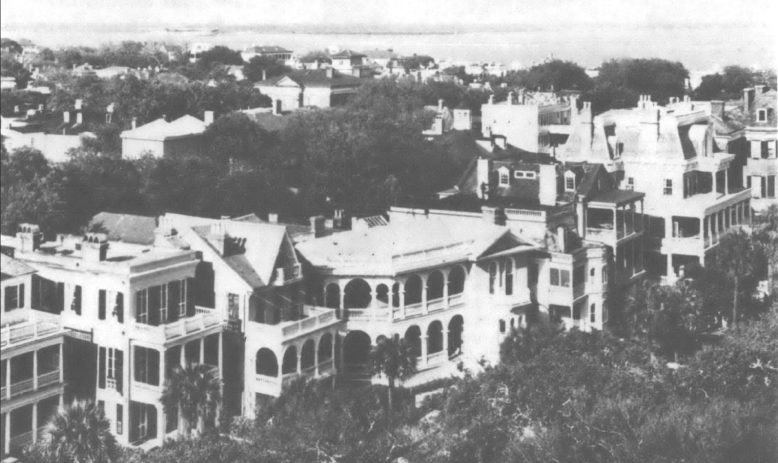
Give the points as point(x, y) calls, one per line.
point(698, 47)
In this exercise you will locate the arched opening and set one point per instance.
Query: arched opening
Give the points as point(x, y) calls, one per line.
point(492, 277)
point(325, 347)
point(413, 338)
point(455, 328)
point(308, 356)
point(456, 281)
point(266, 363)
point(396, 295)
point(356, 348)
point(290, 361)
point(513, 323)
point(502, 326)
point(508, 277)
point(435, 337)
point(332, 296)
point(357, 294)
point(435, 284)
point(413, 288)
point(382, 296)
point(381, 338)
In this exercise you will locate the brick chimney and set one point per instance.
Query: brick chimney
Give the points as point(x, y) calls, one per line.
point(94, 247)
point(30, 237)
point(317, 226)
point(548, 185)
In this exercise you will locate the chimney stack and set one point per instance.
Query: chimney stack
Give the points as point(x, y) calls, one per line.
point(264, 74)
point(338, 219)
point(317, 226)
point(208, 116)
point(440, 105)
point(272, 217)
point(561, 234)
point(134, 123)
point(748, 98)
point(79, 103)
point(491, 99)
point(40, 107)
point(548, 185)
point(94, 247)
point(483, 169)
point(30, 237)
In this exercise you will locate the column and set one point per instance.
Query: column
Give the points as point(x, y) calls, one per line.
point(702, 231)
point(445, 340)
point(35, 370)
point(161, 367)
point(7, 430)
point(7, 381)
point(402, 298)
point(221, 355)
point(182, 355)
point(424, 293)
point(726, 182)
point(161, 424)
point(670, 271)
point(61, 370)
point(316, 360)
point(373, 302)
point(715, 182)
point(202, 351)
point(424, 339)
point(445, 293)
point(35, 422)
point(342, 292)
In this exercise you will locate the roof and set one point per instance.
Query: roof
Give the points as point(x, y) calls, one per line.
point(380, 54)
point(128, 228)
point(345, 54)
point(161, 130)
point(12, 268)
point(268, 49)
point(617, 197)
point(315, 78)
point(267, 120)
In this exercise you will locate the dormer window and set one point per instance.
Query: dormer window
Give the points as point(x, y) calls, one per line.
point(569, 181)
point(630, 183)
point(761, 115)
point(505, 176)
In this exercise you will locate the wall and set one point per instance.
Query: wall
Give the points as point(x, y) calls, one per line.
point(133, 148)
point(518, 123)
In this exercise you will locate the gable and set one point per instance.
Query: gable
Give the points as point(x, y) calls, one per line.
point(287, 81)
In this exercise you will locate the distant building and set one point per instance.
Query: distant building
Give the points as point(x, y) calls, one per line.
point(761, 172)
point(112, 71)
point(345, 60)
point(383, 58)
point(161, 138)
point(310, 88)
point(447, 119)
point(197, 49)
point(275, 52)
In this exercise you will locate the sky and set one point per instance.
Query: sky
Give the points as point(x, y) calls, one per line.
point(386, 14)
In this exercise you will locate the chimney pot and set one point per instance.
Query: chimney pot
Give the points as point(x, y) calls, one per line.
point(317, 226)
point(272, 217)
point(94, 247)
point(134, 122)
point(30, 237)
point(440, 105)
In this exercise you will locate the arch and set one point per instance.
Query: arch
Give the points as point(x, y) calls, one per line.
point(266, 363)
point(308, 355)
point(513, 323)
point(413, 289)
point(413, 338)
point(396, 295)
point(434, 337)
point(435, 283)
point(356, 294)
point(382, 296)
point(289, 364)
point(502, 326)
point(325, 347)
point(456, 280)
point(492, 276)
point(455, 328)
point(332, 296)
point(381, 338)
point(356, 348)
point(508, 276)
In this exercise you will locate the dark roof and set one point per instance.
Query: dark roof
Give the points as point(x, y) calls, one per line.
point(616, 197)
point(269, 49)
point(12, 268)
point(343, 54)
point(241, 265)
point(128, 228)
point(315, 78)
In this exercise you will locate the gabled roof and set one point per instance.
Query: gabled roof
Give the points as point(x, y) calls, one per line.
point(128, 228)
point(161, 130)
point(346, 54)
point(12, 268)
point(314, 78)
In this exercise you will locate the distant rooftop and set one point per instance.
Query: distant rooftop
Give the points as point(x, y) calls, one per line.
point(160, 129)
point(12, 268)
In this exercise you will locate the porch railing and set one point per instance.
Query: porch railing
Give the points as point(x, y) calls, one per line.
point(436, 304)
point(21, 440)
point(22, 386)
point(48, 378)
point(414, 309)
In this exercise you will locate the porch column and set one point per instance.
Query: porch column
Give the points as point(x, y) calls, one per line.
point(161, 434)
point(61, 400)
point(221, 355)
point(445, 293)
point(424, 294)
point(35, 370)
point(401, 289)
point(702, 231)
point(342, 292)
point(624, 220)
point(424, 340)
point(445, 341)
point(715, 182)
point(726, 182)
point(61, 369)
point(202, 351)
point(670, 271)
point(7, 430)
point(299, 361)
point(316, 359)
point(161, 367)
point(7, 381)
point(182, 355)
point(35, 422)
point(616, 221)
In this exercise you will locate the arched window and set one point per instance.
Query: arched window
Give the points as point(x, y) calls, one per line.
point(605, 275)
point(325, 347)
point(308, 357)
point(456, 281)
point(435, 284)
point(396, 295)
point(290, 361)
point(492, 276)
point(413, 288)
point(382, 296)
point(434, 337)
point(413, 338)
point(502, 326)
point(266, 363)
point(357, 294)
point(332, 296)
point(508, 277)
point(455, 328)
point(513, 323)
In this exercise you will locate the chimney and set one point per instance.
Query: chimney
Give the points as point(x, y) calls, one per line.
point(272, 217)
point(547, 185)
point(134, 123)
point(30, 237)
point(717, 109)
point(164, 117)
point(561, 235)
point(79, 103)
point(440, 105)
point(649, 131)
point(80, 118)
point(94, 247)
point(329, 224)
point(40, 107)
point(264, 74)
point(339, 216)
point(483, 169)
point(217, 236)
point(66, 117)
point(330, 73)
point(16, 109)
point(208, 116)
point(317, 226)
point(687, 99)
point(748, 98)
point(491, 99)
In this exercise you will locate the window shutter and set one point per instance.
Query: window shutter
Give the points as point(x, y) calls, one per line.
point(137, 364)
point(153, 366)
point(173, 290)
point(8, 298)
point(101, 305)
point(154, 305)
point(101, 359)
point(119, 365)
point(119, 418)
point(120, 307)
point(60, 297)
point(152, 421)
point(77, 300)
point(190, 297)
point(36, 292)
point(21, 295)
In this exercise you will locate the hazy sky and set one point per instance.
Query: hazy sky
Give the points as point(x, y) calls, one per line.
point(15, 13)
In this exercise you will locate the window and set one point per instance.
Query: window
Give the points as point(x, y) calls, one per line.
point(492, 276)
point(76, 305)
point(233, 306)
point(101, 405)
point(592, 314)
point(118, 309)
point(502, 326)
point(146, 366)
point(14, 297)
point(630, 183)
point(142, 307)
point(101, 300)
point(163, 303)
point(605, 275)
point(509, 277)
point(668, 190)
point(524, 174)
point(579, 275)
point(182, 298)
point(761, 115)
point(604, 312)
point(504, 178)
point(560, 277)
point(119, 418)
point(569, 183)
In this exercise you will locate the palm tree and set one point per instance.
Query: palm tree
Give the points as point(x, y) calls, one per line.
point(78, 433)
point(195, 390)
point(394, 358)
point(736, 257)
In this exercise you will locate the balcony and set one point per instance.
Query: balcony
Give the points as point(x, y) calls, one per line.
point(21, 440)
point(28, 385)
point(316, 319)
point(203, 320)
point(273, 385)
point(27, 325)
point(369, 314)
point(287, 275)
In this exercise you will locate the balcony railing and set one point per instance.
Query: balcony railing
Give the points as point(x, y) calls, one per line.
point(22, 386)
point(325, 365)
point(437, 358)
point(414, 309)
point(203, 319)
point(22, 440)
point(382, 314)
point(28, 385)
point(455, 300)
point(436, 304)
point(48, 378)
point(36, 325)
point(317, 317)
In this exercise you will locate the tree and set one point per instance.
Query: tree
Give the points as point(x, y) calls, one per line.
point(78, 433)
point(195, 391)
point(266, 67)
point(622, 81)
point(736, 256)
point(46, 55)
point(10, 46)
point(24, 165)
point(220, 55)
point(395, 359)
point(726, 85)
point(314, 55)
point(417, 62)
point(555, 74)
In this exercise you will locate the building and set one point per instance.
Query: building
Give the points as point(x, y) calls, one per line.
point(32, 372)
point(196, 50)
point(536, 122)
point(447, 119)
point(310, 88)
point(275, 52)
point(668, 154)
point(382, 58)
point(162, 138)
point(761, 133)
point(346, 60)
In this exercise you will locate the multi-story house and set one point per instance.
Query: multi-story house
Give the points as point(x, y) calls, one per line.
point(272, 51)
point(31, 350)
point(310, 88)
point(761, 171)
point(669, 155)
point(132, 308)
point(346, 60)
point(162, 138)
point(250, 272)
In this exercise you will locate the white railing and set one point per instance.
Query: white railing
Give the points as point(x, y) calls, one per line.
point(436, 304)
point(325, 365)
point(203, 319)
point(48, 378)
point(317, 317)
point(269, 380)
point(601, 232)
point(146, 387)
point(414, 309)
point(358, 314)
point(426, 254)
point(456, 299)
point(22, 440)
point(203, 310)
point(288, 378)
point(3, 390)
point(437, 358)
point(37, 325)
point(524, 213)
point(382, 314)
point(579, 290)
point(309, 371)
point(22, 387)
